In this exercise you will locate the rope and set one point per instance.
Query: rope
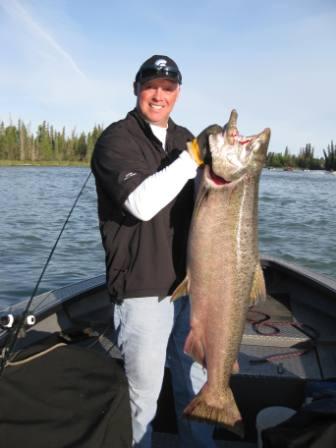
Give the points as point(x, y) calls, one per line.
point(300, 348)
point(37, 355)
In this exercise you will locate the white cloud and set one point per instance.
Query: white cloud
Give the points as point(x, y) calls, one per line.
point(274, 64)
point(37, 32)
point(44, 81)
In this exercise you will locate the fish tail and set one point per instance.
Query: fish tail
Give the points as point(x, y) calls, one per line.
point(222, 410)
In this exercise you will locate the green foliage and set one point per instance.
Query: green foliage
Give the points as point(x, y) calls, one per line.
point(330, 157)
point(305, 159)
point(17, 143)
point(275, 160)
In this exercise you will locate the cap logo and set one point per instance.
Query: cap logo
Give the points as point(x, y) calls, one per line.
point(160, 63)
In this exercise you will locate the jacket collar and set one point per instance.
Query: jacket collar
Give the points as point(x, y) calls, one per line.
point(145, 126)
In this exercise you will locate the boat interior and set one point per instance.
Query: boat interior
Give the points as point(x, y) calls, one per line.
point(288, 345)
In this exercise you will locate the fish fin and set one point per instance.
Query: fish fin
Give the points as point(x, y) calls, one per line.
point(181, 290)
point(258, 290)
point(193, 347)
point(221, 409)
point(235, 368)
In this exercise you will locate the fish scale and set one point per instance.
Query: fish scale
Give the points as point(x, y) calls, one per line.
point(223, 272)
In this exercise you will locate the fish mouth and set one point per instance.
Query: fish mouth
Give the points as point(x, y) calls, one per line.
point(236, 157)
point(229, 156)
point(217, 180)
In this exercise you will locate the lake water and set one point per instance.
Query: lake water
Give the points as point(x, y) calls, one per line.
point(297, 215)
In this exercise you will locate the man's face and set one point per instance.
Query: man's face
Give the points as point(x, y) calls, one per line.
point(156, 99)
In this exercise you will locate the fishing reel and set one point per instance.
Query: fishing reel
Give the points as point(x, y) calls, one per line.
point(15, 327)
point(8, 321)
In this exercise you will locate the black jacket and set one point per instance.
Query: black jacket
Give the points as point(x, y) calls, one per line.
point(143, 258)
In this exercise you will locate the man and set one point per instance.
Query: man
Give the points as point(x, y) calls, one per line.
point(145, 199)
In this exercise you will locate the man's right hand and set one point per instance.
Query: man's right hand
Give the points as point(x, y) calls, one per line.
point(199, 147)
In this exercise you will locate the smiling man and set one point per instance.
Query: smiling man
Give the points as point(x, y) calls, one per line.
point(145, 200)
point(156, 99)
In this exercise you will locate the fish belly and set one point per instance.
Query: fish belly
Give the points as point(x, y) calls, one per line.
point(222, 257)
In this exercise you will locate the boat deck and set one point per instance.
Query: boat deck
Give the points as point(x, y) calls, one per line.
point(277, 361)
point(279, 381)
point(164, 440)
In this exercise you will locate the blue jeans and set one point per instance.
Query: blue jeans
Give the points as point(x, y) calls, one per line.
point(149, 332)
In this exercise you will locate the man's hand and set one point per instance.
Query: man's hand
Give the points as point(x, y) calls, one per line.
point(198, 148)
point(195, 152)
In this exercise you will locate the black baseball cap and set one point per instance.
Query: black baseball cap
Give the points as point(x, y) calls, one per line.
point(158, 66)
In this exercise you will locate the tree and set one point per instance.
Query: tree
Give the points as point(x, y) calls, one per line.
point(81, 147)
point(12, 142)
point(330, 157)
point(43, 142)
point(3, 148)
point(23, 140)
point(305, 156)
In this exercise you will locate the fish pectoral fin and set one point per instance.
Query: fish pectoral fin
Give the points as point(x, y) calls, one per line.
point(181, 290)
point(258, 290)
point(193, 347)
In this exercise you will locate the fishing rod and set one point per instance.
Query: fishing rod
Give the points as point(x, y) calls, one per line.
point(25, 318)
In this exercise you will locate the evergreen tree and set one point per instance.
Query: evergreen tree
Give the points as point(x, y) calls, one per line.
point(275, 160)
point(17, 142)
point(330, 157)
point(43, 142)
point(12, 142)
point(81, 147)
point(23, 139)
point(3, 146)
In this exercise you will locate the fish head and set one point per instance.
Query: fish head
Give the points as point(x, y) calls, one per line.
point(233, 157)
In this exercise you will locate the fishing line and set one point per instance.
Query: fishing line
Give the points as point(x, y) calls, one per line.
point(14, 333)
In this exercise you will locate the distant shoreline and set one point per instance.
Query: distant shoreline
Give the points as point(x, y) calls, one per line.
point(44, 163)
point(72, 163)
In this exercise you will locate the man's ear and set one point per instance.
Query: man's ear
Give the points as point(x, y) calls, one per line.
point(135, 88)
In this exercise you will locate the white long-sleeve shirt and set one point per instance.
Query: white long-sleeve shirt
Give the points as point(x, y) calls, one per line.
point(155, 192)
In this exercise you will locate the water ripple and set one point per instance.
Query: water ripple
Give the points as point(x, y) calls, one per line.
point(297, 216)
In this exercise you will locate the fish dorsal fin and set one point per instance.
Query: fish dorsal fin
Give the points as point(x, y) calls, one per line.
point(181, 290)
point(258, 290)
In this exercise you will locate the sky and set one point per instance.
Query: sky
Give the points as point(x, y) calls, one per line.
point(73, 62)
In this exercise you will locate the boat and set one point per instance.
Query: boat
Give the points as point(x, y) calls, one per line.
point(287, 350)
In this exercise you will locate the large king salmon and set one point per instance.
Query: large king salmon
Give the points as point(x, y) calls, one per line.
point(224, 275)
